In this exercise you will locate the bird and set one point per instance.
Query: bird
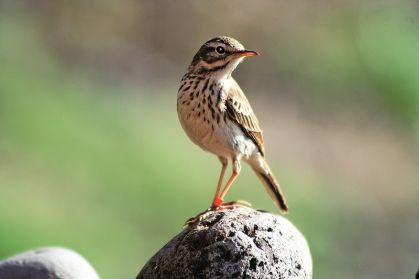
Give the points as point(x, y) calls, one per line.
point(217, 116)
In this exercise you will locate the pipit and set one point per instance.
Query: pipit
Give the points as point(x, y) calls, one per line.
point(216, 115)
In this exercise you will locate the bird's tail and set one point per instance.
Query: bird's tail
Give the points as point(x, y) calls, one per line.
point(261, 167)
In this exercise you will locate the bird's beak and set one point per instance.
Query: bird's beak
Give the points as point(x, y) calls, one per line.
point(246, 53)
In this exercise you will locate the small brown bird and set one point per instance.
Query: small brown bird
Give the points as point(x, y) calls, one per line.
point(216, 115)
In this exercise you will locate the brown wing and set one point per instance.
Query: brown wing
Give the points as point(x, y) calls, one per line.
point(239, 110)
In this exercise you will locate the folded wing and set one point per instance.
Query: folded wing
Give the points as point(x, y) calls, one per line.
point(239, 110)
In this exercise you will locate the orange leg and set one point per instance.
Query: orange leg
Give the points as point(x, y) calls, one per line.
point(224, 163)
point(219, 199)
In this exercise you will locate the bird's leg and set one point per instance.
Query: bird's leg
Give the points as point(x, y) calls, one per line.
point(200, 216)
point(218, 204)
point(224, 163)
point(218, 201)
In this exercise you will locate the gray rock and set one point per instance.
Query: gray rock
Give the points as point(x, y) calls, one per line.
point(239, 243)
point(47, 263)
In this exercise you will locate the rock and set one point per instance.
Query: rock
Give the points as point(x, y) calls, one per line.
point(238, 243)
point(47, 263)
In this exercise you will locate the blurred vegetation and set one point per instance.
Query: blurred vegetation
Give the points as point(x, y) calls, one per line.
point(92, 156)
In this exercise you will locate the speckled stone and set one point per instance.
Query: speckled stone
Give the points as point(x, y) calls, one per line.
point(47, 263)
point(239, 243)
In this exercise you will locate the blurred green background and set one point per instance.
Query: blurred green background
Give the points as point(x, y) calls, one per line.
point(92, 156)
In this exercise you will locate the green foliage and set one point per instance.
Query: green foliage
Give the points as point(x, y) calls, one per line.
point(366, 55)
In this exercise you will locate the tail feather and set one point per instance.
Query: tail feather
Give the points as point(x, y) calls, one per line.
point(271, 184)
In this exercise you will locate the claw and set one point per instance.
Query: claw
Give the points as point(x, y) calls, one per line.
point(228, 205)
point(238, 203)
point(198, 218)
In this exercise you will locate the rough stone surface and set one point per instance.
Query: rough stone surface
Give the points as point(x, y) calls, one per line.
point(239, 243)
point(47, 263)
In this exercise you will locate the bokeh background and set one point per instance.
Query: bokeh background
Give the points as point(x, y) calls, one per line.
point(92, 156)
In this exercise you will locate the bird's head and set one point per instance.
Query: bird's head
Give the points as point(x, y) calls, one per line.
point(219, 56)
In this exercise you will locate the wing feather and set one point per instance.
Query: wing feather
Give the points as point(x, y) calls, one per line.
point(239, 110)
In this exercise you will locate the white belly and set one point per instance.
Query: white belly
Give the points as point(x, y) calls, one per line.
point(223, 139)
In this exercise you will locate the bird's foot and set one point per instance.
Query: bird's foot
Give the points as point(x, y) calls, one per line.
point(230, 205)
point(222, 206)
point(201, 216)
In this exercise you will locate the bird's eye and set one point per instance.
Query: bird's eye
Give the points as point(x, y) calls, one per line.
point(220, 50)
